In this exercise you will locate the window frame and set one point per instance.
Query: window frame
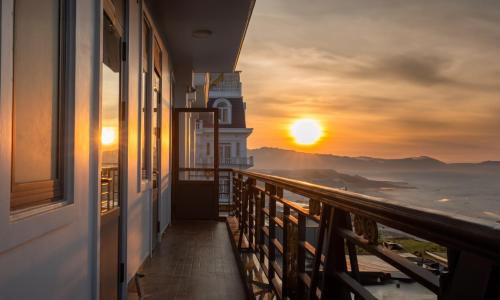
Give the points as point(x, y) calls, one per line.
point(145, 118)
point(227, 109)
point(37, 193)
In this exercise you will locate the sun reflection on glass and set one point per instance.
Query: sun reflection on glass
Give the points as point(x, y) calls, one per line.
point(108, 135)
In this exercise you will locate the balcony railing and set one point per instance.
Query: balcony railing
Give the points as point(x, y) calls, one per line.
point(109, 188)
point(274, 230)
point(227, 162)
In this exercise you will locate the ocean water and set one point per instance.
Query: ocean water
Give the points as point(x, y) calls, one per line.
point(471, 194)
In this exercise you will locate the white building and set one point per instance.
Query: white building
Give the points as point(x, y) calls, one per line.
point(224, 94)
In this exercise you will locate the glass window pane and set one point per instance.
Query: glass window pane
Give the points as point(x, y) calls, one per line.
point(144, 164)
point(145, 101)
point(154, 120)
point(36, 84)
point(110, 112)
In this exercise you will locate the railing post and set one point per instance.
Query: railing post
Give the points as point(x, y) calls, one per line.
point(351, 249)
point(325, 217)
point(289, 253)
point(471, 277)
point(244, 216)
point(335, 261)
point(237, 196)
point(272, 230)
point(242, 212)
point(301, 256)
point(251, 216)
point(260, 221)
point(231, 192)
point(314, 207)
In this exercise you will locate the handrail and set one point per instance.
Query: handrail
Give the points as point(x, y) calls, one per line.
point(470, 242)
point(473, 234)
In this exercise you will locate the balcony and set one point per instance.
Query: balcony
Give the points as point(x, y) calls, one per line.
point(331, 245)
point(227, 162)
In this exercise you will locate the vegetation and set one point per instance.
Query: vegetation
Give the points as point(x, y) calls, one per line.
point(418, 247)
point(413, 246)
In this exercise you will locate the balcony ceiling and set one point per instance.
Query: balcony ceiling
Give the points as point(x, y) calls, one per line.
point(226, 19)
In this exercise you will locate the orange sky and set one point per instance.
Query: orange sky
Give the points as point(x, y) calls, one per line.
point(385, 78)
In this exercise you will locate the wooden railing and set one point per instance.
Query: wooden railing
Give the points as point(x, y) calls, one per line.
point(347, 222)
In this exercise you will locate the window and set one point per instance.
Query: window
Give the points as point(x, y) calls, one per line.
point(110, 115)
point(145, 100)
point(208, 149)
point(199, 124)
point(238, 149)
point(225, 154)
point(224, 107)
point(223, 113)
point(38, 102)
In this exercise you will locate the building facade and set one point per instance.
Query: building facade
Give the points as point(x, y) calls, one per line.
point(225, 95)
point(88, 92)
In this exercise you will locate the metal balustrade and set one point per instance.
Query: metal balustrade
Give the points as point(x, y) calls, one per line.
point(274, 229)
point(226, 161)
point(109, 188)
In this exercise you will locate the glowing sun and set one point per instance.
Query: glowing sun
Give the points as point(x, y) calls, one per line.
point(306, 131)
point(108, 135)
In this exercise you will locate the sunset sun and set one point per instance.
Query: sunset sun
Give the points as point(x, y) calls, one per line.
point(108, 135)
point(306, 131)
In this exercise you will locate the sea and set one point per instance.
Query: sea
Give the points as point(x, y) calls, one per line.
point(471, 194)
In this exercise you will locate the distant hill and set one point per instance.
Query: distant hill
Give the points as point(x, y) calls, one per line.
point(280, 159)
point(335, 179)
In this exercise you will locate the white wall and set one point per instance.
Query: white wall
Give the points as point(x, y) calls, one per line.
point(139, 197)
point(139, 192)
point(52, 254)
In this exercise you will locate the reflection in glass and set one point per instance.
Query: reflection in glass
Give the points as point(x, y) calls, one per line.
point(35, 88)
point(198, 144)
point(155, 133)
point(144, 102)
point(110, 112)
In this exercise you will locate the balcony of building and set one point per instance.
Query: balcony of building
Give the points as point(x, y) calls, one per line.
point(330, 244)
point(227, 162)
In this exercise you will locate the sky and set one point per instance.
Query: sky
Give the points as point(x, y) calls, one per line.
point(385, 78)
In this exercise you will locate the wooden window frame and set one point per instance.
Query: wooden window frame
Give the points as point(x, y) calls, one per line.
point(36, 193)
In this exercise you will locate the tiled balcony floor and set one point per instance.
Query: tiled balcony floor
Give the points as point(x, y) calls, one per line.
point(195, 260)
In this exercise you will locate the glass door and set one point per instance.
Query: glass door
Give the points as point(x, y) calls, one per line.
point(196, 181)
point(156, 138)
point(111, 134)
point(110, 118)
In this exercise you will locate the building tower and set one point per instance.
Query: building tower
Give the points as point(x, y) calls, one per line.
point(225, 94)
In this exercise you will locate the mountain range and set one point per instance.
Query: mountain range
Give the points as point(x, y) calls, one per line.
point(267, 158)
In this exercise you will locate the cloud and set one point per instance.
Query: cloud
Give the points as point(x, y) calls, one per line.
point(418, 69)
point(422, 75)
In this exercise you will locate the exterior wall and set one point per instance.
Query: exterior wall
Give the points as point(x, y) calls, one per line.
point(201, 84)
point(52, 253)
point(139, 207)
point(226, 88)
point(139, 197)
